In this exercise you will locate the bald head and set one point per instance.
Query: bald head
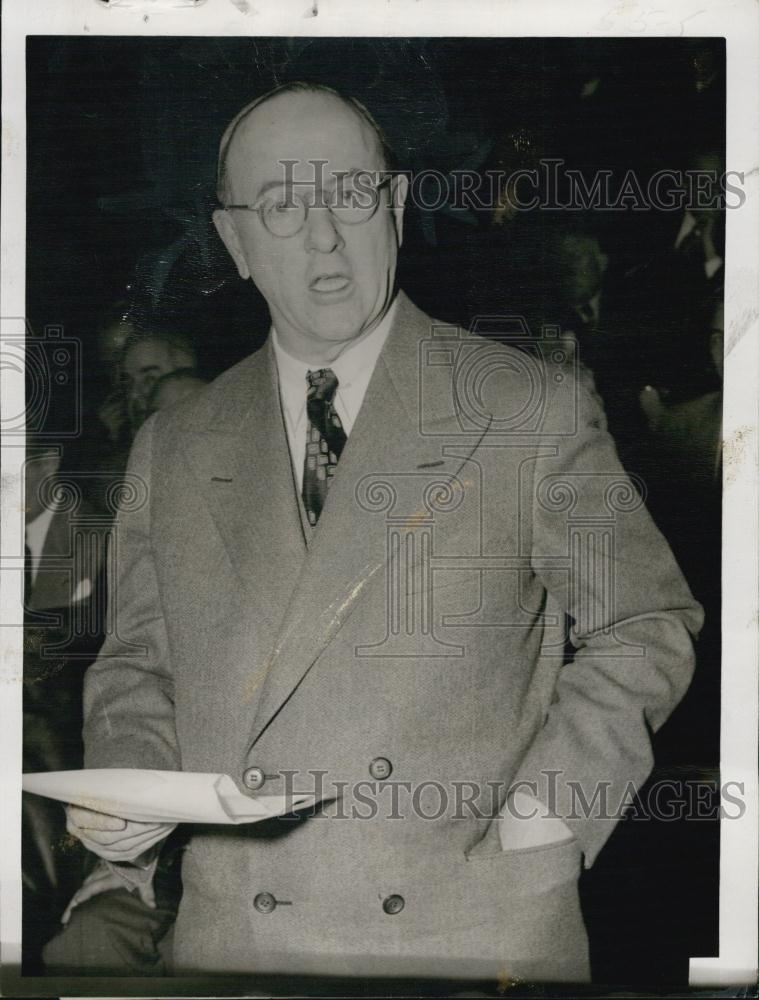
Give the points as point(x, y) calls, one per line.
point(257, 109)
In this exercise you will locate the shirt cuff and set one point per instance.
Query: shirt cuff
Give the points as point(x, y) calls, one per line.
point(138, 873)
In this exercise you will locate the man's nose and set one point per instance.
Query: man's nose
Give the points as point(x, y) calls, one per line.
point(322, 233)
point(143, 386)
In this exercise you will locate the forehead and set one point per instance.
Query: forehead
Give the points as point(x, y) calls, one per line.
point(114, 334)
point(146, 352)
point(303, 127)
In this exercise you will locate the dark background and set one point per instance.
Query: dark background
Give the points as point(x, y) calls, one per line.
point(123, 135)
point(122, 143)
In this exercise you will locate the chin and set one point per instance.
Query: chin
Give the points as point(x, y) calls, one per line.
point(338, 325)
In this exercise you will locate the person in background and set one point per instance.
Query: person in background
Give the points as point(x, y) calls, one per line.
point(106, 926)
point(680, 266)
point(685, 441)
point(64, 623)
point(692, 431)
point(57, 573)
point(111, 930)
point(681, 464)
point(173, 387)
point(573, 265)
point(112, 334)
point(145, 358)
point(578, 264)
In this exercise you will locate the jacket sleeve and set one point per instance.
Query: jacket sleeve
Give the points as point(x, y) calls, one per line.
point(632, 621)
point(129, 691)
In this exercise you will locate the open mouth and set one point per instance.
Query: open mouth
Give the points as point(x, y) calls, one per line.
point(330, 283)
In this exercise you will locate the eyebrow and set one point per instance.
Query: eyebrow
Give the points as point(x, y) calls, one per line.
point(268, 186)
point(343, 175)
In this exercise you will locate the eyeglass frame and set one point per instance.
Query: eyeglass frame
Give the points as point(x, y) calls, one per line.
point(257, 206)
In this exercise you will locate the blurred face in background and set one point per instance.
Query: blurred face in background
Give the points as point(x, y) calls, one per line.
point(330, 282)
point(580, 265)
point(111, 340)
point(143, 364)
point(585, 268)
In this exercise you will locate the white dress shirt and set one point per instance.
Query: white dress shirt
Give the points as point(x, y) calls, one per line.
point(353, 368)
point(36, 533)
point(714, 262)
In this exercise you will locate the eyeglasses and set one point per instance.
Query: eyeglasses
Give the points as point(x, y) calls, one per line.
point(284, 213)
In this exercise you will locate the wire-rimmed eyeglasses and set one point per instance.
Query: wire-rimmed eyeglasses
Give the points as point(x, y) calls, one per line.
point(352, 203)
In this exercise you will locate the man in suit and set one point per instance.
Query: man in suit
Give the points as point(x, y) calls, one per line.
point(62, 563)
point(64, 607)
point(351, 577)
point(64, 600)
point(678, 272)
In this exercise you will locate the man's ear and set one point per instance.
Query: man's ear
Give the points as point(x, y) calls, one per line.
point(225, 227)
point(398, 195)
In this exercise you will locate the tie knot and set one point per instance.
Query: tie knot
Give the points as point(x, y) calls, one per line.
point(322, 384)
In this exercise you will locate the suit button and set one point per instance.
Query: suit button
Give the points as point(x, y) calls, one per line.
point(380, 768)
point(393, 904)
point(265, 902)
point(253, 778)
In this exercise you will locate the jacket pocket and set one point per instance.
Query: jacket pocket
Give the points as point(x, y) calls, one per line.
point(537, 867)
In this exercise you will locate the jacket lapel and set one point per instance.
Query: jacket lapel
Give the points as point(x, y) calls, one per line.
point(241, 460)
point(347, 554)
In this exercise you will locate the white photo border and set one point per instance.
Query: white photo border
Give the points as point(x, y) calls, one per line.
point(738, 22)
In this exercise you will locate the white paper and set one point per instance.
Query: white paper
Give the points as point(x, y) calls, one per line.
point(162, 796)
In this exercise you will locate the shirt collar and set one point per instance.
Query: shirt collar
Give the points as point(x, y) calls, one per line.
point(36, 530)
point(688, 225)
point(353, 368)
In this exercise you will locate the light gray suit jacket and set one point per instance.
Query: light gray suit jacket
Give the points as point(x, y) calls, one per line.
point(409, 650)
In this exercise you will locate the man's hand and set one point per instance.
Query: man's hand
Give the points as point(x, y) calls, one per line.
point(112, 838)
point(102, 879)
point(526, 822)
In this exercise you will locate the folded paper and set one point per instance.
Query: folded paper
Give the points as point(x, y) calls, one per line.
point(162, 796)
